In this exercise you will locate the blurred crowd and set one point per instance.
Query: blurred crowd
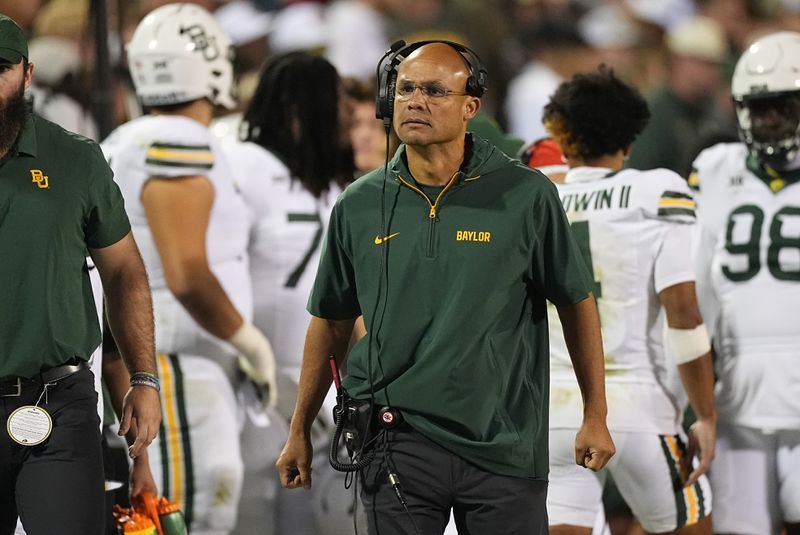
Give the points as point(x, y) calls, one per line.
point(680, 53)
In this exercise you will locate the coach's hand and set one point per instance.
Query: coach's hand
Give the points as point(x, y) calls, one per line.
point(593, 444)
point(702, 441)
point(141, 478)
point(294, 462)
point(141, 412)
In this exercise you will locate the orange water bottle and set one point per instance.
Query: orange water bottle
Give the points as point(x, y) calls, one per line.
point(139, 525)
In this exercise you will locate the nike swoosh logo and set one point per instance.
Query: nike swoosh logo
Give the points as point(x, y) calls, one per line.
point(379, 240)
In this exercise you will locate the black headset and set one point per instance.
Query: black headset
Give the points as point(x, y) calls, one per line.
point(386, 75)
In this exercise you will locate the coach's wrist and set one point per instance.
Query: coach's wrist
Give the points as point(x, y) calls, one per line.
point(299, 428)
point(595, 411)
point(145, 379)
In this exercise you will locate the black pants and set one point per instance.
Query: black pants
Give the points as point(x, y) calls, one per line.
point(57, 486)
point(434, 481)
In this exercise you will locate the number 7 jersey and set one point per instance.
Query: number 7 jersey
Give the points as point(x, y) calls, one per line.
point(634, 229)
point(748, 268)
point(287, 226)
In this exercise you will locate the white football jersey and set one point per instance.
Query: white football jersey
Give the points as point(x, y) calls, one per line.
point(748, 263)
point(174, 146)
point(287, 228)
point(634, 228)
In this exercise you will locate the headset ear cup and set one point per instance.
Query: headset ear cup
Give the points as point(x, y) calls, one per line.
point(386, 80)
point(384, 100)
point(380, 95)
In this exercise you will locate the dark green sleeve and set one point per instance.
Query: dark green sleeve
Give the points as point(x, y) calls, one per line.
point(559, 270)
point(106, 222)
point(334, 293)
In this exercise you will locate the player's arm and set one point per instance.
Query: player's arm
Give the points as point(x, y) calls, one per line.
point(130, 314)
point(178, 210)
point(581, 325)
point(324, 338)
point(686, 340)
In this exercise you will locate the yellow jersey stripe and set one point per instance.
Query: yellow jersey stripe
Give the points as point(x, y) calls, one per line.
point(180, 155)
point(676, 457)
point(694, 509)
point(683, 203)
point(172, 428)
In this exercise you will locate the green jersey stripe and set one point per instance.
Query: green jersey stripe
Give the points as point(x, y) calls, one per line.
point(676, 211)
point(175, 146)
point(188, 467)
point(676, 195)
point(677, 484)
point(174, 163)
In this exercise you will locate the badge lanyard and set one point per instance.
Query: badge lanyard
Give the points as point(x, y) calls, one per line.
point(30, 425)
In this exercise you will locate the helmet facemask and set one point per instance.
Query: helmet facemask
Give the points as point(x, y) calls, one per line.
point(770, 126)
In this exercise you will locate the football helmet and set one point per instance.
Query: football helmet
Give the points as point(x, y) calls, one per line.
point(178, 53)
point(766, 92)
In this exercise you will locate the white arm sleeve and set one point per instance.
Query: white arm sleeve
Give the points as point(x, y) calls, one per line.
point(673, 263)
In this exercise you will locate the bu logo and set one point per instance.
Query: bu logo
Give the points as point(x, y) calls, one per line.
point(203, 43)
point(40, 179)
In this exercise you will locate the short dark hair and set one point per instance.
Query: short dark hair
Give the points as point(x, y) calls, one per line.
point(595, 114)
point(294, 114)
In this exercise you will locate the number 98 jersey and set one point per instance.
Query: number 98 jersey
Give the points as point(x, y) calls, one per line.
point(748, 277)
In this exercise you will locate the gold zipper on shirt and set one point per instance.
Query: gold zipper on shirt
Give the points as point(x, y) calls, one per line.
point(433, 205)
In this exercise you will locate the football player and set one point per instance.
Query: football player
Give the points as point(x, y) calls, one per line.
point(192, 225)
point(634, 228)
point(748, 257)
point(294, 161)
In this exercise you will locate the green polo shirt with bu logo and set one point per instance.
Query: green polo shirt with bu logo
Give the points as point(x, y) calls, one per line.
point(57, 199)
point(460, 343)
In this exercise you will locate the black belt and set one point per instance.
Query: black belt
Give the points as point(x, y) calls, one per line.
point(12, 386)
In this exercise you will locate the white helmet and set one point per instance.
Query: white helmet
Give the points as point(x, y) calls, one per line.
point(766, 91)
point(178, 53)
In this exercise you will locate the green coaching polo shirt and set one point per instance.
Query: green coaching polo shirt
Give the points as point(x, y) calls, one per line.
point(57, 198)
point(460, 339)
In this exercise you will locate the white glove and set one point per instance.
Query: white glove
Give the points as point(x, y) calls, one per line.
point(257, 360)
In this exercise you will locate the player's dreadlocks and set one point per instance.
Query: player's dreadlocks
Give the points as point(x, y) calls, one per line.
point(594, 114)
point(294, 114)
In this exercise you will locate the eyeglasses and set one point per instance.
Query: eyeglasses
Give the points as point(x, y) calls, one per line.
point(405, 90)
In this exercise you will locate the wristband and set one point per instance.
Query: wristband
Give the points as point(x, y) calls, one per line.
point(146, 379)
point(152, 376)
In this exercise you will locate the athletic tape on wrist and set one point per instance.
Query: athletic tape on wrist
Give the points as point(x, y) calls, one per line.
point(686, 345)
point(247, 339)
